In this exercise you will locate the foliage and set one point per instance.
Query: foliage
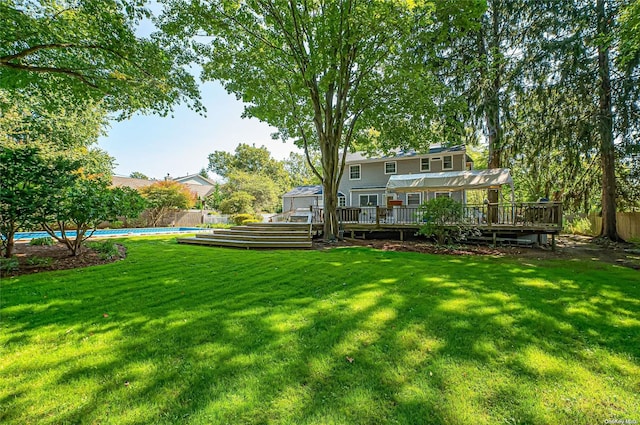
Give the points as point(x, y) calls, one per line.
point(89, 50)
point(442, 218)
point(116, 224)
point(239, 219)
point(300, 172)
point(203, 173)
point(247, 158)
point(40, 261)
point(254, 171)
point(30, 187)
point(476, 339)
point(263, 190)
point(322, 73)
point(630, 35)
point(578, 226)
point(84, 205)
point(48, 241)
point(138, 175)
point(8, 264)
point(69, 124)
point(213, 200)
point(165, 196)
point(238, 203)
point(107, 249)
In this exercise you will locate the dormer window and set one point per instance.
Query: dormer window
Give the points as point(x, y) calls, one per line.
point(390, 167)
point(447, 162)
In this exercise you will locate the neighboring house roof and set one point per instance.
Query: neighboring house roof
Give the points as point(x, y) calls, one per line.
point(400, 154)
point(197, 177)
point(119, 181)
point(199, 190)
point(301, 191)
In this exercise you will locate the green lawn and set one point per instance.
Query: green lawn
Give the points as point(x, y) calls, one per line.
point(197, 335)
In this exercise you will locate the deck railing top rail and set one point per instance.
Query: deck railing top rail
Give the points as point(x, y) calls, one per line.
point(535, 215)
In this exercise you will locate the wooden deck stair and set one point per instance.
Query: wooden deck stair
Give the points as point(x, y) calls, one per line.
point(257, 235)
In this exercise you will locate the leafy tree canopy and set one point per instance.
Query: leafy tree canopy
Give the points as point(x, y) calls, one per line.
point(138, 175)
point(89, 49)
point(164, 196)
point(321, 72)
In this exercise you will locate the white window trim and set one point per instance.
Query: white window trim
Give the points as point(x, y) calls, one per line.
point(395, 167)
point(359, 171)
point(344, 198)
point(414, 193)
point(422, 170)
point(443, 167)
point(369, 195)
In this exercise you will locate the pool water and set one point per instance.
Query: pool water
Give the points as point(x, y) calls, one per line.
point(113, 232)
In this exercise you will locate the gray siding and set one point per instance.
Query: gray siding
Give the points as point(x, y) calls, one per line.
point(373, 179)
point(293, 203)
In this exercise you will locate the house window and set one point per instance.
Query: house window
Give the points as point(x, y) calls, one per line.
point(390, 167)
point(368, 200)
point(354, 172)
point(413, 199)
point(443, 194)
point(425, 164)
point(342, 201)
point(447, 162)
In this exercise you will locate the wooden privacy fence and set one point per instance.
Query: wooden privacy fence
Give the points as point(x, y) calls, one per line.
point(628, 224)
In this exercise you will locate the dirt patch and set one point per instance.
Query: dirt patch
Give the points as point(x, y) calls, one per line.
point(567, 247)
point(34, 259)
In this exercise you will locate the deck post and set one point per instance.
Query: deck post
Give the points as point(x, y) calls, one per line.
point(377, 216)
point(553, 242)
point(494, 239)
point(401, 235)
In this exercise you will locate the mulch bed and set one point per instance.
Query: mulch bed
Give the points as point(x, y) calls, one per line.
point(60, 258)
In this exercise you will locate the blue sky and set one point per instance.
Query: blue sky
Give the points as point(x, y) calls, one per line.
point(179, 146)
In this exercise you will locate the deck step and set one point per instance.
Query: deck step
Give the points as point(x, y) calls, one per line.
point(245, 243)
point(274, 225)
point(256, 237)
point(234, 231)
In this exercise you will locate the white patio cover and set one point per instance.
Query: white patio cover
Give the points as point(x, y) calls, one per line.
point(451, 180)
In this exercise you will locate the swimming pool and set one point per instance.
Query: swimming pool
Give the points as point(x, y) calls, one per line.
point(114, 232)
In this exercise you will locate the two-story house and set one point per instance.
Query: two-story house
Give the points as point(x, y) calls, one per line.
point(364, 182)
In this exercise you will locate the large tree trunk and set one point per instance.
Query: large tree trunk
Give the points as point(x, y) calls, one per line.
point(9, 243)
point(331, 171)
point(605, 129)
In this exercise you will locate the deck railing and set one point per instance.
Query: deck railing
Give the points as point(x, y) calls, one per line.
point(517, 215)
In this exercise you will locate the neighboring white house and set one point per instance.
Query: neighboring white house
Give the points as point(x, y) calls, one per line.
point(364, 182)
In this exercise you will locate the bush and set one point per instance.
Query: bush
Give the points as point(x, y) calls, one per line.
point(442, 218)
point(239, 219)
point(579, 226)
point(41, 241)
point(8, 264)
point(116, 224)
point(106, 249)
point(40, 261)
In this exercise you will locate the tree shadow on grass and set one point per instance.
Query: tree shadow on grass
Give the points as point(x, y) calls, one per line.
point(344, 336)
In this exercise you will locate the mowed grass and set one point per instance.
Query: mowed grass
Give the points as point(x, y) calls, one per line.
point(198, 335)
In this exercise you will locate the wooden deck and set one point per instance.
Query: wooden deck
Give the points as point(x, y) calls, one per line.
point(518, 218)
